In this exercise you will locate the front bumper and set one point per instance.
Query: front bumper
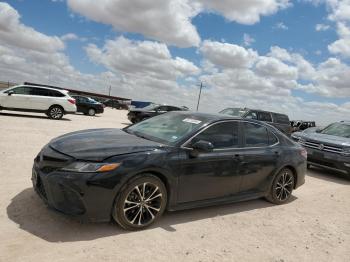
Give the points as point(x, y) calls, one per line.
point(72, 195)
point(328, 160)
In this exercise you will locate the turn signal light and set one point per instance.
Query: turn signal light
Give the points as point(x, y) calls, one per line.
point(108, 167)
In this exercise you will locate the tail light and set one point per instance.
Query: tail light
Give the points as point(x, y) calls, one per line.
point(71, 100)
point(303, 153)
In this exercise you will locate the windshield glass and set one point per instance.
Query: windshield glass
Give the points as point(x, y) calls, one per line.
point(92, 100)
point(238, 112)
point(167, 128)
point(337, 129)
point(150, 107)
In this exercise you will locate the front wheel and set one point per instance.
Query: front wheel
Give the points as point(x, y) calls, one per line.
point(282, 187)
point(140, 203)
point(55, 112)
point(91, 112)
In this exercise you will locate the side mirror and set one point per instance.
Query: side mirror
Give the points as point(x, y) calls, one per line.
point(9, 93)
point(318, 130)
point(201, 147)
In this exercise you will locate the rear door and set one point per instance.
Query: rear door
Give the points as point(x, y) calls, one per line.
point(259, 155)
point(39, 99)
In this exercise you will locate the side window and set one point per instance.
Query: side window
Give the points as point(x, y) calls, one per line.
point(221, 135)
point(39, 91)
point(21, 90)
point(255, 135)
point(55, 93)
point(280, 118)
point(162, 108)
point(272, 138)
point(264, 116)
point(252, 115)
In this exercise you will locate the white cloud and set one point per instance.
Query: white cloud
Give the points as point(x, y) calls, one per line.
point(244, 12)
point(13, 33)
point(322, 27)
point(281, 26)
point(248, 40)
point(169, 21)
point(69, 37)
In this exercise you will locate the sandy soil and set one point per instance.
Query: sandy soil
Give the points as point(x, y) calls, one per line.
point(315, 226)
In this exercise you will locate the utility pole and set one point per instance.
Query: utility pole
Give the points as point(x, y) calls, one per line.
point(199, 96)
point(109, 92)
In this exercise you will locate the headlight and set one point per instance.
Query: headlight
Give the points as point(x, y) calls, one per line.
point(86, 167)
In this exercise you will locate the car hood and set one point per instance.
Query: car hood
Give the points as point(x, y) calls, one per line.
point(327, 139)
point(140, 110)
point(99, 144)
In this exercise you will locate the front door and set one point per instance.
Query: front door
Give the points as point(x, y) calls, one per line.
point(17, 98)
point(213, 174)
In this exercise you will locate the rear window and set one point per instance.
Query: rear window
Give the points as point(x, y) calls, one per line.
point(280, 118)
point(264, 116)
point(255, 135)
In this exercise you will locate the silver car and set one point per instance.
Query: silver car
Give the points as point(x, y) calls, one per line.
point(328, 147)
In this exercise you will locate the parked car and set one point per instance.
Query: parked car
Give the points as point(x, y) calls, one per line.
point(115, 104)
point(280, 121)
point(53, 102)
point(173, 161)
point(88, 106)
point(300, 125)
point(328, 147)
point(139, 114)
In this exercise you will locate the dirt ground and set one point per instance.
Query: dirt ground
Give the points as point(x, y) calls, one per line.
point(315, 226)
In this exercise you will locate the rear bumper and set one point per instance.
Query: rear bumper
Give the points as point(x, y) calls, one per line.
point(328, 160)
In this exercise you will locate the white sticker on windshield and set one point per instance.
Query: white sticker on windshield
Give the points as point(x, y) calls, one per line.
point(192, 121)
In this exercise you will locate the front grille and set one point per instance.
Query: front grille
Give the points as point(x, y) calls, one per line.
point(323, 147)
point(321, 162)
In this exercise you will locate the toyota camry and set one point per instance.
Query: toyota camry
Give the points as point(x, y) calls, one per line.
point(178, 160)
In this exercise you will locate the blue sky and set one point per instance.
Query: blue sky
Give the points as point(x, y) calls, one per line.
point(212, 31)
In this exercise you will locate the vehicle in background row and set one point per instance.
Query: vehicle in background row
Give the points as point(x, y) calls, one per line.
point(280, 121)
point(300, 125)
point(53, 102)
point(88, 106)
point(115, 104)
point(328, 147)
point(136, 115)
point(174, 161)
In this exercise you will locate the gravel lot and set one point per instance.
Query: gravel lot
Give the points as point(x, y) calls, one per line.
point(315, 226)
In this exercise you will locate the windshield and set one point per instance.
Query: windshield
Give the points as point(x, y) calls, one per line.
point(238, 112)
point(150, 107)
point(92, 100)
point(167, 128)
point(337, 129)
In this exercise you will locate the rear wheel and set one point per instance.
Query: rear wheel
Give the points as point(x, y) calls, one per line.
point(91, 112)
point(140, 203)
point(282, 187)
point(55, 112)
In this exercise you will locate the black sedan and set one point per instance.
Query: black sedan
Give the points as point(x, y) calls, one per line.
point(174, 161)
point(136, 115)
point(88, 106)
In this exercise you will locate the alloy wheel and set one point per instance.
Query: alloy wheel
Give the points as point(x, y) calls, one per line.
point(91, 112)
point(142, 204)
point(56, 113)
point(284, 186)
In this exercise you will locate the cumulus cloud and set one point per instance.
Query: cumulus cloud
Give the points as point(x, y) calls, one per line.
point(69, 37)
point(13, 33)
point(322, 27)
point(169, 21)
point(248, 40)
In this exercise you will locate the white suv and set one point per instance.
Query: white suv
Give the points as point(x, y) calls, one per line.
point(53, 102)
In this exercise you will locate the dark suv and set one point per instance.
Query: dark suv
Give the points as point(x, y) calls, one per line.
point(280, 121)
point(328, 147)
point(88, 106)
point(138, 114)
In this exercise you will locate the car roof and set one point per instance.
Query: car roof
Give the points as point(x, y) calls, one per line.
point(252, 109)
point(50, 88)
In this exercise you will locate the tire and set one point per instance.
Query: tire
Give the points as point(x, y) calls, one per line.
point(55, 112)
point(132, 210)
point(282, 187)
point(91, 112)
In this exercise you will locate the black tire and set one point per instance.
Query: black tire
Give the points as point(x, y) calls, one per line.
point(91, 112)
point(282, 187)
point(132, 210)
point(55, 112)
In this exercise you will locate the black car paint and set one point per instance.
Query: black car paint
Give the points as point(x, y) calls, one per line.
point(191, 182)
point(84, 105)
point(138, 114)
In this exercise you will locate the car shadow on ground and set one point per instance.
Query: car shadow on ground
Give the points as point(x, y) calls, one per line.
point(329, 175)
point(29, 212)
point(30, 116)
